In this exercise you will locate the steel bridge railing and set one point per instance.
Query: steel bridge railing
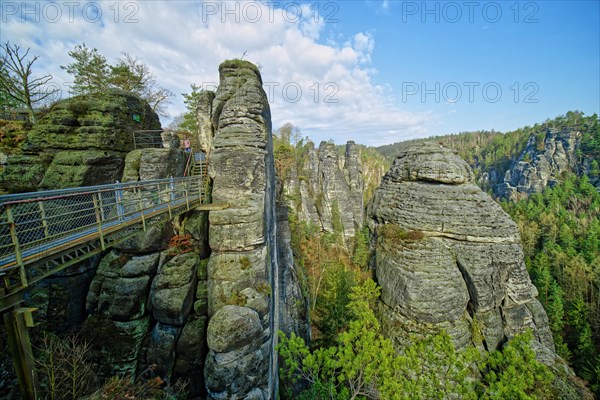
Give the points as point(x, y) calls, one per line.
point(40, 226)
point(148, 139)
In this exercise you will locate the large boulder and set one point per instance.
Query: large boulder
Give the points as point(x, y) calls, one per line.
point(149, 164)
point(81, 141)
point(101, 121)
point(120, 288)
point(74, 168)
point(235, 362)
point(230, 273)
point(447, 254)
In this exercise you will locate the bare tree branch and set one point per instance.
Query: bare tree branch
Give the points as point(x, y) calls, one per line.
point(17, 81)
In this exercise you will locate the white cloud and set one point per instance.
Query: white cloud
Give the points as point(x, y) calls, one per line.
point(183, 42)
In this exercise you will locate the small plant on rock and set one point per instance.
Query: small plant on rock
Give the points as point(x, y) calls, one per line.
point(181, 244)
point(245, 263)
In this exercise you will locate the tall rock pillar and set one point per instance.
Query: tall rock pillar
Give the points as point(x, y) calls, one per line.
point(242, 267)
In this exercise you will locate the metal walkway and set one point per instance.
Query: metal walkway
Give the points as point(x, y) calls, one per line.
point(41, 233)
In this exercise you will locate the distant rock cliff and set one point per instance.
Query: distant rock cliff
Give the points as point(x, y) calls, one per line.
point(328, 187)
point(446, 254)
point(546, 156)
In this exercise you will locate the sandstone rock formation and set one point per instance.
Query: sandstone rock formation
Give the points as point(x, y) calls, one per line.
point(206, 130)
point(541, 163)
point(185, 315)
point(148, 164)
point(241, 266)
point(81, 141)
point(328, 187)
point(446, 254)
point(293, 316)
point(150, 298)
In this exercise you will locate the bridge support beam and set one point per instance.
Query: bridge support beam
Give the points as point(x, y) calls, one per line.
point(16, 322)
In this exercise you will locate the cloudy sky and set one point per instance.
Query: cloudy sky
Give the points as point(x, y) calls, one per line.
point(372, 71)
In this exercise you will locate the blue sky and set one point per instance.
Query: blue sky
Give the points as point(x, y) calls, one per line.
point(371, 71)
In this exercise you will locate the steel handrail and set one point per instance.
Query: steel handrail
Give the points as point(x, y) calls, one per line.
point(83, 190)
point(33, 224)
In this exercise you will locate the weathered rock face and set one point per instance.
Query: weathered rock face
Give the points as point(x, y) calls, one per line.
point(206, 131)
point(149, 298)
point(146, 302)
point(60, 300)
point(81, 141)
point(94, 121)
point(293, 316)
point(446, 254)
point(23, 172)
point(239, 272)
point(82, 168)
point(329, 190)
point(119, 290)
point(541, 163)
point(148, 164)
point(173, 289)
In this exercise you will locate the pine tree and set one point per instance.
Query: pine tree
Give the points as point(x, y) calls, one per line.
point(581, 333)
point(91, 72)
point(514, 372)
point(361, 248)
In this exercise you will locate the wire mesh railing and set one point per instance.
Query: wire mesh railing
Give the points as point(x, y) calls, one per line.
point(148, 139)
point(35, 226)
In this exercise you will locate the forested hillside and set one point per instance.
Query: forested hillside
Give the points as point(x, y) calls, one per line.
point(336, 280)
point(491, 154)
point(560, 231)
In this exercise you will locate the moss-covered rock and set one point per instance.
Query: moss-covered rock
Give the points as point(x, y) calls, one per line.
point(93, 121)
point(148, 164)
point(131, 172)
point(161, 348)
point(120, 288)
point(233, 327)
point(23, 172)
point(114, 345)
point(80, 141)
point(191, 353)
point(154, 238)
point(12, 134)
point(82, 168)
point(173, 288)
